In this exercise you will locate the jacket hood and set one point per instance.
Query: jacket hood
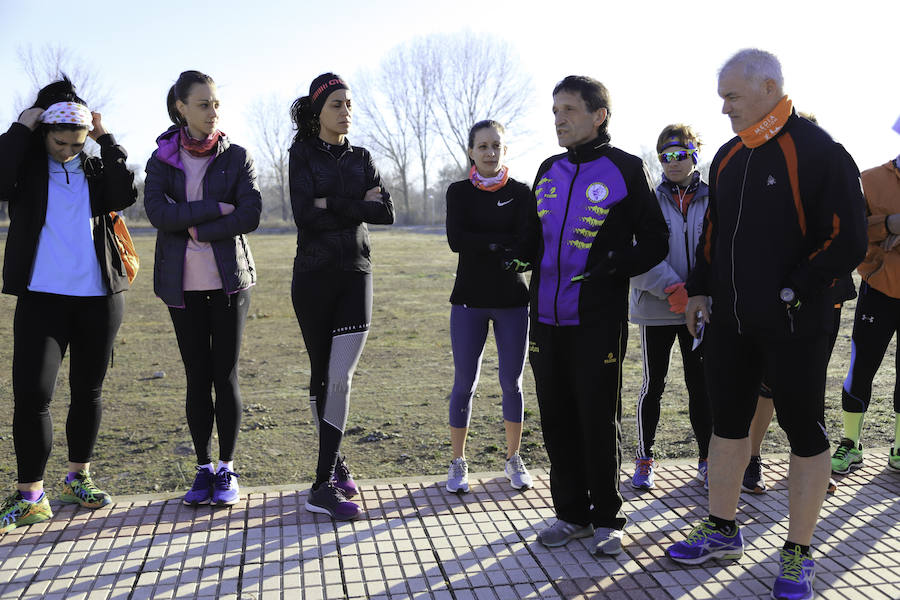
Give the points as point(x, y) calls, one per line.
point(167, 146)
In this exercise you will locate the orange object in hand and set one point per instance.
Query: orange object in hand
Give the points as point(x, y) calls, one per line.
point(677, 297)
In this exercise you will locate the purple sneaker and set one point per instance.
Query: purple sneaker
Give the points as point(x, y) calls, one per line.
point(329, 500)
point(201, 491)
point(225, 488)
point(703, 543)
point(343, 480)
point(795, 582)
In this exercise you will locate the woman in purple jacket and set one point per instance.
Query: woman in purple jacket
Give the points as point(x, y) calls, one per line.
point(201, 194)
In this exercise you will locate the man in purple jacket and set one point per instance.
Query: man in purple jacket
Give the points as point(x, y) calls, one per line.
point(600, 225)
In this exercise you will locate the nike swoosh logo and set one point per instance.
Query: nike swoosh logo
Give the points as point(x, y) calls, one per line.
point(499, 203)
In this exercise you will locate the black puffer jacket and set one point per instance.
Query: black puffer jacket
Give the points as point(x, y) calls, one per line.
point(231, 178)
point(335, 238)
point(23, 184)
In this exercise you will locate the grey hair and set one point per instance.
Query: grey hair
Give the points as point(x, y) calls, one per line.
point(759, 66)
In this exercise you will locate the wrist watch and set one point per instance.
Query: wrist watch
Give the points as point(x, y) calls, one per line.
point(788, 296)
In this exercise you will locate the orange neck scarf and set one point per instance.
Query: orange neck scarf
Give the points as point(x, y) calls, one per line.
point(760, 133)
point(489, 184)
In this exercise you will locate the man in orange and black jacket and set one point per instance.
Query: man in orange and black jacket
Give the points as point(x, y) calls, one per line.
point(786, 219)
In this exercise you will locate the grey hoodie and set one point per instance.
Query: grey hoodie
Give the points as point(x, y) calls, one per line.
point(647, 303)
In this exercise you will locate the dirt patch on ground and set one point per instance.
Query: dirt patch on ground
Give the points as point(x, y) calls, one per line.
point(398, 415)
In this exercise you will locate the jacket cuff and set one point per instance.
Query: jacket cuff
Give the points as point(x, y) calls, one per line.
point(106, 139)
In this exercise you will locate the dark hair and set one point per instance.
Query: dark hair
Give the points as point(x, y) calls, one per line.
point(181, 90)
point(680, 134)
point(306, 109)
point(594, 94)
point(58, 91)
point(483, 125)
point(305, 119)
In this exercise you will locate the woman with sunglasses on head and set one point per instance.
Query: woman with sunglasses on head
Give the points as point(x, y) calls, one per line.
point(335, 191)
point(492, 225)
point(62, 262)
point(658, 300)
point(202, 196)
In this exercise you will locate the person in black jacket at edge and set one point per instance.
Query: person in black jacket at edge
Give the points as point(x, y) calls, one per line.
point(786, 219)
point(62, 262)
point(202, 196)
point(335, 191)
point(600, 224)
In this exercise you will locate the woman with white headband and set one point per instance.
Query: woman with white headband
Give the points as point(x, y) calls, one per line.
point(62, 262)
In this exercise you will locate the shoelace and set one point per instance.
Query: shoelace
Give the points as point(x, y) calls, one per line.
point(341, 471)
point(644, 466)
point(223, 479)
point(10, 510)
point(84, 486)
point(701, 531)
point(842, 451)
point(791, 565)
point(516, 464)
point(458, 468)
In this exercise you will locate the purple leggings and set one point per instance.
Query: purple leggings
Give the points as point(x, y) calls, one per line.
point(468, 333)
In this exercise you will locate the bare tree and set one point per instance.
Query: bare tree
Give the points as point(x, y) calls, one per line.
point(48, 63)
point(386, 131)
point(272, 132)
point(478, 76)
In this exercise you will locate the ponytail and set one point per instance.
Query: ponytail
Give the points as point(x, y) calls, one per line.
point(181, 90)
point(305, 119)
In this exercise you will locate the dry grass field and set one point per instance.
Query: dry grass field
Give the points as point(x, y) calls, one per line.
point(398, 415)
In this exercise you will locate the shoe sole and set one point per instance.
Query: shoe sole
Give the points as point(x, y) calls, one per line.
point(76, 500)
point(526, 486)
point(460, 490)
point(324, 511)
point(718, 555)
point(195, 502)
point(646, 488)
point(26, 522)
point(850, 467)
point(567, 540)
point(755, 490)
point(225, 502)
point(892, 467)
point(603, 550)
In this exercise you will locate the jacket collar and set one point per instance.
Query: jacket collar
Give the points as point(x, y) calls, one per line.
point(167, 147)
point(324, 146)
point(589, 151)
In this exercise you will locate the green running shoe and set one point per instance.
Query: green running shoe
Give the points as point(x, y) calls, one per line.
point(16, 511)
point(894, 460)
point(846, 455)
point(83, 491)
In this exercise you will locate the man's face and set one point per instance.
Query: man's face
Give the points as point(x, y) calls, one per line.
point(744, 101)
point(575, 124)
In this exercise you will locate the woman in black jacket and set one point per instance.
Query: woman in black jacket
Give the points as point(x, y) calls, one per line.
point(492, 224)
point(63, 264)
point(335, 191)
point(201, 194)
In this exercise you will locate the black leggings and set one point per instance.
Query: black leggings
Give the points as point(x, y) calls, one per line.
point(209, 330)
point(875, 323)
point(45, 326)
point(334, 309)
point(656, 351)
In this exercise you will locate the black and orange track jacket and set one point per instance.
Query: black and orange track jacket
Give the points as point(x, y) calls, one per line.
point(789, 213)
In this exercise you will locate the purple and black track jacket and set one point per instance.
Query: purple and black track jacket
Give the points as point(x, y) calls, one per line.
point(789, 213)
point(600, 218)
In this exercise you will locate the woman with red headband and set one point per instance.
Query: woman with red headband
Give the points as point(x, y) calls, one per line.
point(658, 299)
point(62, 262)
point(335, 191)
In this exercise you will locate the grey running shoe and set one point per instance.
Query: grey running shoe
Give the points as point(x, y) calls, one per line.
point(607, 541)
point(458, 476)
point(329, 500)
point(517, 473)
point(562, 532)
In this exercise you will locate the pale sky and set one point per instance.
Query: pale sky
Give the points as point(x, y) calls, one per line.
point(658, 59)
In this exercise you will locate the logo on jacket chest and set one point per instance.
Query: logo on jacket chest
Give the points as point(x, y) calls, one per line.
point(597, 192)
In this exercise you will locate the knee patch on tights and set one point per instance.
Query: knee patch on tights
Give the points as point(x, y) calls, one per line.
point(807, 437)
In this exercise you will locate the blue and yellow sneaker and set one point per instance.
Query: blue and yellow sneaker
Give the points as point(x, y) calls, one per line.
point(795, 582)
point(83, 491)
point(705, 542)
point(16, 511)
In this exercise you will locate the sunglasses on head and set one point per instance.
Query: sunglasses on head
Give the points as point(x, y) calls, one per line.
point(679, 155)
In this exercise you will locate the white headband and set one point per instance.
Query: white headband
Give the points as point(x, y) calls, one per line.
point(68, 112)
